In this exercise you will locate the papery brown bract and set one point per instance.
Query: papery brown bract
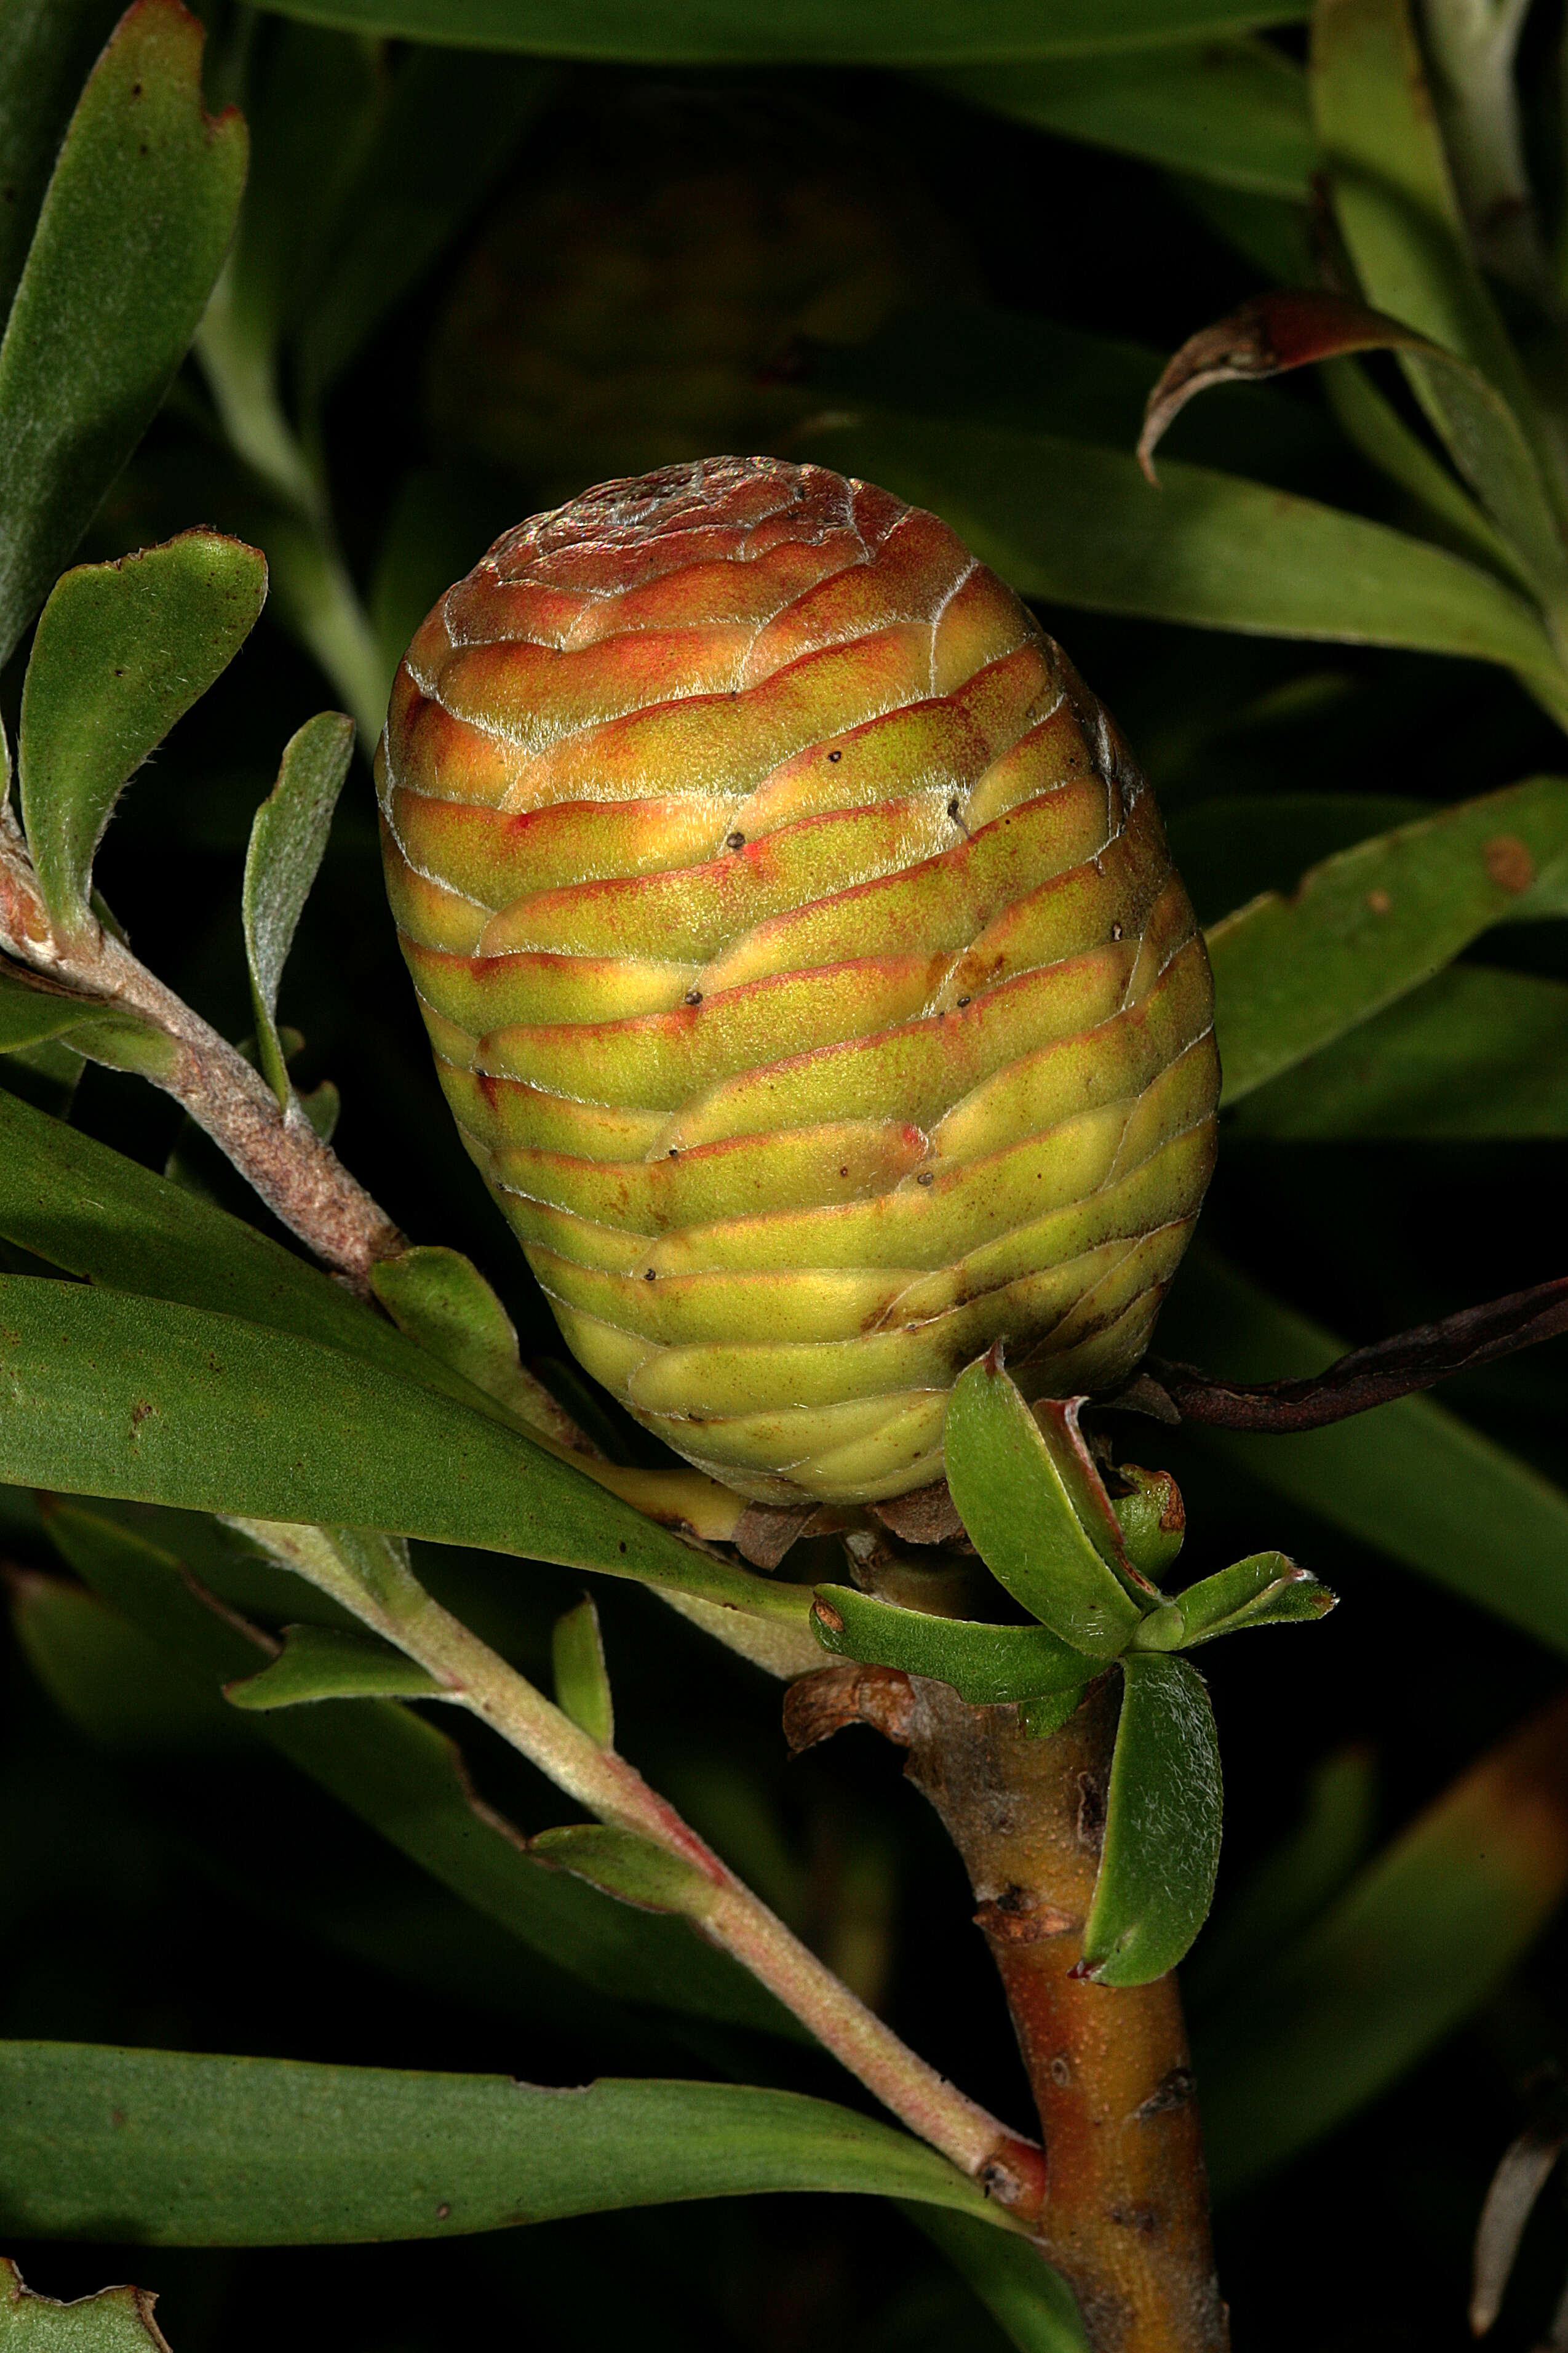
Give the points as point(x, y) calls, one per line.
point(805, 966)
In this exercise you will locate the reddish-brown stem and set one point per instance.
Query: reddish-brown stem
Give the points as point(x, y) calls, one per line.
point(1125, 2215)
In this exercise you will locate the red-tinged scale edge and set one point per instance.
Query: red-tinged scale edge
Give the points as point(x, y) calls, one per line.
point(805, 966)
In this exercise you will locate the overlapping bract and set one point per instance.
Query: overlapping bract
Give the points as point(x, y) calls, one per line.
point(805, 966)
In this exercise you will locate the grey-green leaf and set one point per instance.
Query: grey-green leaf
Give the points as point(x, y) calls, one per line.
point(1163, 1815)
point(989, 1666)
point(187, 2150)
point(111, 1394)
point(1292, 975)
point(135, 223)
point(582, 1680)
point(48, 53)
point(121, 652)
point(320, 1662)
point(115, 2320)
point(1017, 1509)
point(1080, 525)
point(288, 843)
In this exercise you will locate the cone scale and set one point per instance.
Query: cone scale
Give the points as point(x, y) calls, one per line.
point(805, 966)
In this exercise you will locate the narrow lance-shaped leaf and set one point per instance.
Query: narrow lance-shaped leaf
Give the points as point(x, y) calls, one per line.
point(1078, 525)
point(320, 1662)
point(1163, 1806)
point(1274, 332)
point(866, 32)
point(631, 1869)
point(408, 1782)
point(288, 841)
point(1232, 111)
point(121, 652)
point(187, 2150)
point(582, 1680)
point(1396, 208)
point(989, 1666)
point(1029, 2301)
point(1292, 975)
point(1406, 1952)
point(138, 214)
point(208, 1413)
point(116, 2320)
point(1474, 1052)
point(48, 51)
point(1011, 1497)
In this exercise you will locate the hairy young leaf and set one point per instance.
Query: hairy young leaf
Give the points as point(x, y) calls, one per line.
point(582, 1681)
point(134, 227)
point(288, 843)
point(1018, 1510)
point(986, 1665)
point(1161, 1854)
point(121, 652)
point(116, 2320)
point(1265, 1590)
point(187, 2150)
point(332, 1663)
point(629, 1868)
point(1292, 975)
point(439, 1299)
point(48, 53)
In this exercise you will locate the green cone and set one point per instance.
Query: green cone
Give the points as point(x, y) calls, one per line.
point(804, 965)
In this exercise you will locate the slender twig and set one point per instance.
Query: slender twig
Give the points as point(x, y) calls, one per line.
point(1010, 2167)
point(278, 1151)
point(1418, 1359)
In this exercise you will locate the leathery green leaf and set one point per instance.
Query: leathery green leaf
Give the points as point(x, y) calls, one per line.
point(108, 1680)
point(274, 2152)
point(1473, 1052)
point(1394, 202)
point(1359, 930)
point(441, 1300)
point(1014, 1503)
point(1409, 1478)
point(82, 1207)
point(116, 2320)
point(1419, 1937)
point(1078, 525)
point(409, 1781)
point(1161, 1855)
point(49, 48)
point(986, 1665)
point(113, 1395)
point(332, 1663)
point(1030, 2302)
point(1234, 111)
point(813, 32)
point(581, 1682)
point(121, 652)
point(631, 1869)
point(135, 223)
point(288, 843)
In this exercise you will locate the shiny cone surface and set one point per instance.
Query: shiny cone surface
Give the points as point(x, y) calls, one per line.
point(805, 966)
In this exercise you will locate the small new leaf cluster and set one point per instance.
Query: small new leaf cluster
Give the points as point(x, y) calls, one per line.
point(1084, 1567)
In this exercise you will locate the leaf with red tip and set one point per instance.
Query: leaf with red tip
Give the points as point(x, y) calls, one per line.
point(1277, 332)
